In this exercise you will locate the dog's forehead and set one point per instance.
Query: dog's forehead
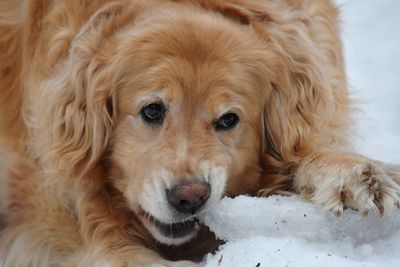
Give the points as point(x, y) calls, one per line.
point(201, 66)
point(211, 85)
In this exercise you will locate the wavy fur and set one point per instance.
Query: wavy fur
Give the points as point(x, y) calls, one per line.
point(89, 176)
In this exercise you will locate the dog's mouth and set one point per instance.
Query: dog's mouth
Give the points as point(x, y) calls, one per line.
point(176, 230)
point(172, 230)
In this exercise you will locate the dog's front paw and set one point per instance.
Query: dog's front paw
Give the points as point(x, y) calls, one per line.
point(365, 186)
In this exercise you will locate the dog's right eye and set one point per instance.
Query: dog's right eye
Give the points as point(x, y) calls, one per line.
point(226, 122)
point(153, 113)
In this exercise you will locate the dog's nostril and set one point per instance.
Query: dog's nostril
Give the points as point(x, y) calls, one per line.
point(189, 197)
point(185, 204)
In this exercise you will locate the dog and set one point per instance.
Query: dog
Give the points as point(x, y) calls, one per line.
point(123, 121)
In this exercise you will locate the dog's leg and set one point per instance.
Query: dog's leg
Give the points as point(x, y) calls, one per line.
point(47, 243)
point(44, 249)
point(134, 256)
point(338, 180)
point(44, 226)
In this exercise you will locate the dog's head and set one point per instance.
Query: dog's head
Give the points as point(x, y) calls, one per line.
point(177, 100)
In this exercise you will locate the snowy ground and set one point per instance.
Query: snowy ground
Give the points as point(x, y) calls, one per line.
point(285, 231)
point(282, 231)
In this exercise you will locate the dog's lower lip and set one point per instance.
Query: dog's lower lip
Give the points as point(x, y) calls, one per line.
point(179, 229)
point(174, 230)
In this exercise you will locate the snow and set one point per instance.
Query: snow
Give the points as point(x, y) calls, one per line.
point(287, 231)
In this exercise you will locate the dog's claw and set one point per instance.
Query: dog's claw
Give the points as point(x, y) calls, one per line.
point(338, 213)
point(365, 213)
point(381, 210)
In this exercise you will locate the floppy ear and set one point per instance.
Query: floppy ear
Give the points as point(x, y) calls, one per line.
point(301, 101)
point(80, 100)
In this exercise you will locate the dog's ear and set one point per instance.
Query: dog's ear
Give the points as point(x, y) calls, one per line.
point(300, 102)
point(81, 99)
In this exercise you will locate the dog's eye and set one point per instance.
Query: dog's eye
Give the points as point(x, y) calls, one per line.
point(226, 122)
point(153, 113)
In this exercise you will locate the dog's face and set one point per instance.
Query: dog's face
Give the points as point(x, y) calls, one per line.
point(176, 101)
point(189, 122)
point(185, 104)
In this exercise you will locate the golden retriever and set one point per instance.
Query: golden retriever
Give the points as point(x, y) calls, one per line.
point(127, 119)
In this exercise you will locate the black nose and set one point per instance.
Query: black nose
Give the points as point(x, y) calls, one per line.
point(188, 197)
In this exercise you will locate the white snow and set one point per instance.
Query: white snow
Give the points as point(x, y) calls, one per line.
point(287, 231)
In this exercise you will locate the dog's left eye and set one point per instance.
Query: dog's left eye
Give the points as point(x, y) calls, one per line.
point(153, 113)
point(226, 122)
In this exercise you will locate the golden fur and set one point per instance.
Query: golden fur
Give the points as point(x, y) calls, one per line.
point(83, 173)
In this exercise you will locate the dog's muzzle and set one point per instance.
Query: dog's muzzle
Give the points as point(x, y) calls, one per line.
point(185, 201)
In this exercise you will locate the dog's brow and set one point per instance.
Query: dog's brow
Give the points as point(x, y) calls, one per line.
point(157, 95)
point(231, 107)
